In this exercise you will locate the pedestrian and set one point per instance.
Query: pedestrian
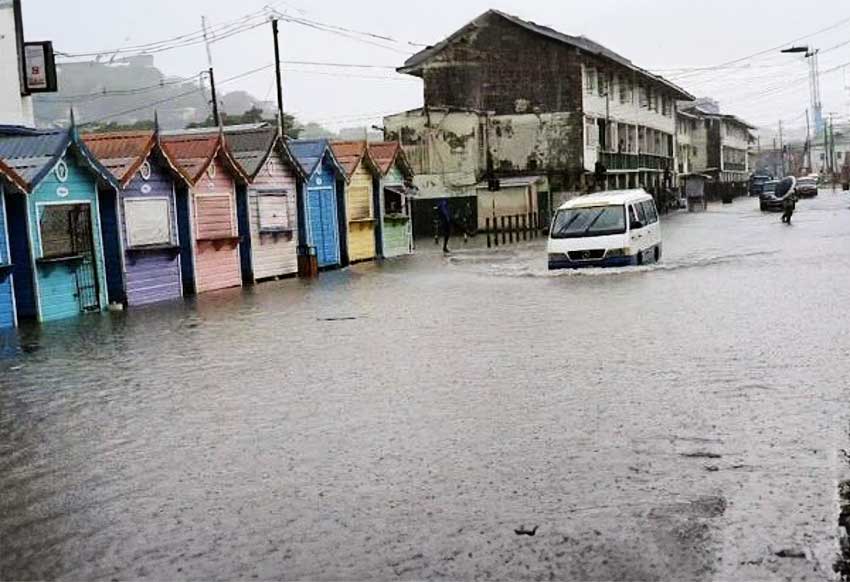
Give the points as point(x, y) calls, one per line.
point(445, 220)
point(789, 204)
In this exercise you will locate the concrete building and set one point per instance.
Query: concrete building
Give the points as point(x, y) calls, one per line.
point(720, 143)
point(507, 98)
point(15, 105)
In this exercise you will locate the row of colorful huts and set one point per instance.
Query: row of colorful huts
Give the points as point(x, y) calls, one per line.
point(134, 218)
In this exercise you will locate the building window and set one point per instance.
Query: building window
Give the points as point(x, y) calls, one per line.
point(148, 221)
point(273, 212)
point(625, 90)
point(590, 81)
point(666, 105)
point(643, 97)
point(603, 84)
point(591, 132)
point(65, 230)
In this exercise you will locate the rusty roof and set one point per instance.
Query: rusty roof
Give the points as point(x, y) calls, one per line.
point(349, 154)
point(414, 65)
point(13, 177)
point(387, 153)
point(192, 154)
point(122, 153)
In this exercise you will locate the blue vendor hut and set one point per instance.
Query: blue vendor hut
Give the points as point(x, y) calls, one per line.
point(322, 189)
point(55, 241)
point(9, 181)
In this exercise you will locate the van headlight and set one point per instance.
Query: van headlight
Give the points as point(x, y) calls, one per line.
point(617, 253)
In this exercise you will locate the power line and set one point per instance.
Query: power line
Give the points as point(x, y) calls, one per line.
point(175, 97)
point(834, 26)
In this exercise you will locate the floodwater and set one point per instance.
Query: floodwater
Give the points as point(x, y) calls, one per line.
point(401, 421)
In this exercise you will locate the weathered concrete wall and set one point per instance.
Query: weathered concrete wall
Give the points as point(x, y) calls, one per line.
point(445, 149)
point(522, 144)
point(503, 68)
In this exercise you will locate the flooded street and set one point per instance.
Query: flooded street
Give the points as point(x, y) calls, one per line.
point(681, 421)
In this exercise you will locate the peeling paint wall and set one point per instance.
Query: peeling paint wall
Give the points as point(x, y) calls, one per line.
point(445, 149)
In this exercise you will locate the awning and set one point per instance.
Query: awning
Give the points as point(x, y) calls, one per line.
point(403, 191)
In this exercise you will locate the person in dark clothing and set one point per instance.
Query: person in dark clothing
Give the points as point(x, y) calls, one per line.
point(445, 220)
point(788, 207)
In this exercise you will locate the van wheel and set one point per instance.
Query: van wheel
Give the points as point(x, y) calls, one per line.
point(657, 255)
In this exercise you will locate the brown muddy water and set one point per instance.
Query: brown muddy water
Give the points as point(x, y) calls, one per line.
point(401, 421)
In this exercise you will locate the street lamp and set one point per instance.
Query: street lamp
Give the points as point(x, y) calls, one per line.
point(814, 81)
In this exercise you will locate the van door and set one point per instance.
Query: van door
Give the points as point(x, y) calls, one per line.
point(653, 227)
point(637, 228)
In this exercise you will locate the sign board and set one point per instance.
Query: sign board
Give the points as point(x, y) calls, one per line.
point(40, 68)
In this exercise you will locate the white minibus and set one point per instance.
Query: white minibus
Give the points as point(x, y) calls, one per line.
point(607, 229)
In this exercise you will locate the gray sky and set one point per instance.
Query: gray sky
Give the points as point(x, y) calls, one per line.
point(661, 35)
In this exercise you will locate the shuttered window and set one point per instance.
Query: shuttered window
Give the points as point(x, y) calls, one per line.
point(148, 221)
point(214, 216)
point(273, 211)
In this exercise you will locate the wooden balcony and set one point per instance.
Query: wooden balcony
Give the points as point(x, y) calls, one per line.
point(614, 161)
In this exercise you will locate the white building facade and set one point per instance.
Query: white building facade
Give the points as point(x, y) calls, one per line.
point(16, 108)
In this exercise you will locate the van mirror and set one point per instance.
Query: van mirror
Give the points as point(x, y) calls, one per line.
point(636, 225)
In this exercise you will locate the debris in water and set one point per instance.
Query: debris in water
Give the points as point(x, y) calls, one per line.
point(702, 455)
point(30, 348)
point(337, 319)
point(796, 554)
point(713, 469)
point(526, 532)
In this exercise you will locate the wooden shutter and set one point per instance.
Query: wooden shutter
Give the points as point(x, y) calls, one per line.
point(273, 211)
point(214, 216)
point(148, 221)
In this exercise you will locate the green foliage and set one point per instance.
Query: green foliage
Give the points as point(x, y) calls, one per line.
point(254, 115)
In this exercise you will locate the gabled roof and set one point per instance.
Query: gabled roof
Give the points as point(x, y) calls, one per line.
point(386, 154)
point(350, 154)
point(12, 176)
point(310, 152)
point(32, 154)
point(193, 153)
point(414, 64)
point(251, 147)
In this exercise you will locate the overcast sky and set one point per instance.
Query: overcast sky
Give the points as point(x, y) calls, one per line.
point(662, 35)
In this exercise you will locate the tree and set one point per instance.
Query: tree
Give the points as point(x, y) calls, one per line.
point(254, 115)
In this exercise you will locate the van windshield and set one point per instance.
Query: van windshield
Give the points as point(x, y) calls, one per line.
point(587, 222)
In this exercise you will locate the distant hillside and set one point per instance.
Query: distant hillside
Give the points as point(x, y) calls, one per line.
point(128, 91)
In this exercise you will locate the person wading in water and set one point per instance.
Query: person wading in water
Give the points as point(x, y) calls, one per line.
point(444, 219)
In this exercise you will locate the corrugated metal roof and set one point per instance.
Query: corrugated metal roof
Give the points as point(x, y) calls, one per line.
point(32, 153)
point(386, 153)
point(251, 146)
point(122, 153)
point(349, 154)
point(192, 154)
point(310, 152)
point(413, 64)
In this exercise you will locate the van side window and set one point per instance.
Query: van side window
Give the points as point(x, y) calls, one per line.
point(650, 212)
point(641, 215)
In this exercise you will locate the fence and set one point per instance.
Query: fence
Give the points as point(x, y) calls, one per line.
point(504, 230)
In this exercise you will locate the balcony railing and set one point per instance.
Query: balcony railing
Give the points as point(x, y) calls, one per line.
point(614, 161)
point(734, 167)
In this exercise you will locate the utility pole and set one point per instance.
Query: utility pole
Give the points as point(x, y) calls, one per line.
point(832, 148)
point(782, 148)
point(809, 141)
point(211, 73)
point(278, 76)
point(826, 164)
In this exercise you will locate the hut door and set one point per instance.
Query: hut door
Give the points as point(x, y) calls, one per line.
point(81, 232)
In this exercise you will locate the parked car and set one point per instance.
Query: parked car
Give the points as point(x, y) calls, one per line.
point(807, 187)
point(757, 184)
point(772, 198)
point(767, 201)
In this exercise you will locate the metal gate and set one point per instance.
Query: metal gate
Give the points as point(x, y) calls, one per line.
point(83, 245)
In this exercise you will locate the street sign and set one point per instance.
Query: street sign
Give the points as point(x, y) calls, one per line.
point(40, 66)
